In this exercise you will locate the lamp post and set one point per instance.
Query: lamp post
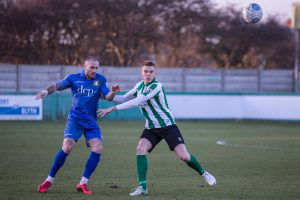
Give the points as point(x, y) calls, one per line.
point(296, 26)
point(296, 67)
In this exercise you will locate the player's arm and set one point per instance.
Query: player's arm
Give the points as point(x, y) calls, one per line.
point(60, 85)
point(126, 97)
point(106, 93)
point(45, 92)
point(131, 103)
point(111, 95)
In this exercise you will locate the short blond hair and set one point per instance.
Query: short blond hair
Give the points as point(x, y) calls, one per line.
point(90, 59)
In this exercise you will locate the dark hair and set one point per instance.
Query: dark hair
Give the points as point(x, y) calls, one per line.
point(148, 63)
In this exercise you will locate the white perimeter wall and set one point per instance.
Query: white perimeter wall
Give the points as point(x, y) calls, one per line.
point(277, 107)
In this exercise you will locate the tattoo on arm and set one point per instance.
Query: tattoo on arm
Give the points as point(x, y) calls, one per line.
point(51, 89)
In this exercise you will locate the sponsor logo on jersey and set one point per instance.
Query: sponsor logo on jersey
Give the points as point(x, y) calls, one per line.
point(147, 91)
point(87, 91)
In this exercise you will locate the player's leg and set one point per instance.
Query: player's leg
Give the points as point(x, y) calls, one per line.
point(175, 141)
point(94, 140)
point(72, 133)
point(93, 160)
point(141, 161)
point(146, 144)
point(190, 159)
point(192, 162)
point(58, 162)
point(61, 156)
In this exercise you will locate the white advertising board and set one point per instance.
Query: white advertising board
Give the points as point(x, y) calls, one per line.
point(274, 107)
point(20, 107)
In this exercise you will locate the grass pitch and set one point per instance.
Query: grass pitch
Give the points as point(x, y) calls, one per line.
point(252, 160)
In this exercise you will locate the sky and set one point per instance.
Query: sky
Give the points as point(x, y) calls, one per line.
point(280, 8)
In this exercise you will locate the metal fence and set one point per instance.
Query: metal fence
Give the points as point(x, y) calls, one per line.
point(32, 78)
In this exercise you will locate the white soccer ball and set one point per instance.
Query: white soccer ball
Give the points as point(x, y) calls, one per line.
point(252, 13)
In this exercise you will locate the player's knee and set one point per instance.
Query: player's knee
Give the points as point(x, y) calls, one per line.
point(67, 149)
point(68, 145)
point(98, 149)
point(141, 149)
point(184, 157)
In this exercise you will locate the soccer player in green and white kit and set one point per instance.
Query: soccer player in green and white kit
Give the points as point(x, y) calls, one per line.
point(150, 96)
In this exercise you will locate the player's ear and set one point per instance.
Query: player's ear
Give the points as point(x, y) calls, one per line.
point(141, 70)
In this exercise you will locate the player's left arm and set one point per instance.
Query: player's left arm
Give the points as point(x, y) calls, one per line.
point(111, 95)
point(128, 96)
point(134, 102)
point(106, 93)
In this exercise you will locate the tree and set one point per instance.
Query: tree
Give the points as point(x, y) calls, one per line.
point(181, 23)
point(61, 32)
point(238, 42)
point(123, 33)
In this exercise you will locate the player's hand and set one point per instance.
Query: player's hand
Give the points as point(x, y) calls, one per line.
point(103, 112)
point(116, 88)
point(41, 94)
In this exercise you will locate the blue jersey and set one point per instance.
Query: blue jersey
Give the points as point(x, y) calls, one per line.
point(85, 96)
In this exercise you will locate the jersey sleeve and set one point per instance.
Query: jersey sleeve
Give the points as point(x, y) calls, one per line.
point(64, 84)
point(152, 91)
point(133, 92)
point(126, 97)
point(132, 103)
point(104, 89)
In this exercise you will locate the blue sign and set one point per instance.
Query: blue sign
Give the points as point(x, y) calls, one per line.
point(20, 110)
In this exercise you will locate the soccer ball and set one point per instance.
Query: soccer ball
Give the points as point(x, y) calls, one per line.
point(252, 13)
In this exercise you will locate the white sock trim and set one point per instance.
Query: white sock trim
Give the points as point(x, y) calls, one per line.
point(50, 179)
point(84, 180)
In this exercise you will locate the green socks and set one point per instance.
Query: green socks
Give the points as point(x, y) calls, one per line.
point(193, 163)
point(142, 165)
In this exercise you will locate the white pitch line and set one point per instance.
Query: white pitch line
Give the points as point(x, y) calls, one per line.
point(225, 143)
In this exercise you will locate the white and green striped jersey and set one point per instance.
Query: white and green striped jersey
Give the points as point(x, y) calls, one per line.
point(155, 107)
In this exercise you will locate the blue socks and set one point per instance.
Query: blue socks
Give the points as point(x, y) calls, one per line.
point(58, 162)
point(91, 164)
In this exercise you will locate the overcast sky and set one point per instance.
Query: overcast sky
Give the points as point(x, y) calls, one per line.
point(282, 8)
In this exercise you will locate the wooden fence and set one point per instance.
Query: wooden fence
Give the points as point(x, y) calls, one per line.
point(32, 78)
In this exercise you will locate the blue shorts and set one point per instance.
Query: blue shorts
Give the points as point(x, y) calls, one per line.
point(76, 127)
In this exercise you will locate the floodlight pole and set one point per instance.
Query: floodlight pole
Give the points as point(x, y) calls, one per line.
point(296, 67)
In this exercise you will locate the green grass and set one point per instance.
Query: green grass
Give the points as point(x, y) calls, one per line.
point(261, 161)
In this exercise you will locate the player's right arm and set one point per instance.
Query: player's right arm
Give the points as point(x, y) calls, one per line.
point(49, 90)
point(126, 97)
point(60, 85)
point(123, 98)
point(155, 89)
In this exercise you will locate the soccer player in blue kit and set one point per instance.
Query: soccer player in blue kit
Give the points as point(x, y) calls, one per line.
point(87, 88)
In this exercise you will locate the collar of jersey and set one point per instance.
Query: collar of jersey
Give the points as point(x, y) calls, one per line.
point(82, 74)
point(154, 79)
